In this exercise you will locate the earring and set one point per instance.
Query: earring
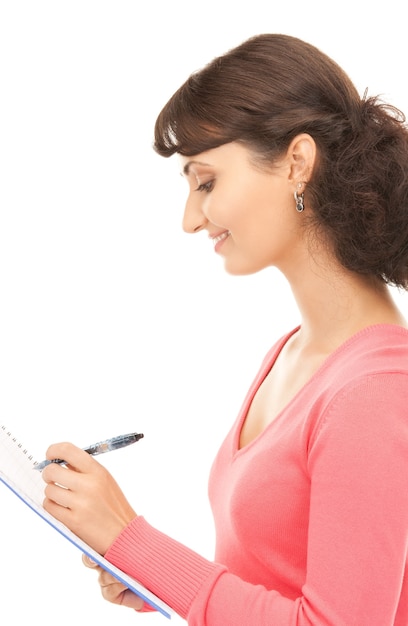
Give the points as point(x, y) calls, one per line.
point(299, 199)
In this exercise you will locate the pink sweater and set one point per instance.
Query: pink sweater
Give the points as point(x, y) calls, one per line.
point(312, 516)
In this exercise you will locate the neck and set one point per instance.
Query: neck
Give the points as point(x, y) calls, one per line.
point(335, 303)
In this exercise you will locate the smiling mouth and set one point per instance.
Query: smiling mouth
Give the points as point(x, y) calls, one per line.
point(220, 237)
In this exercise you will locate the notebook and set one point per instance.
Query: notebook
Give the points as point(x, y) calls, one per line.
point(16, 472)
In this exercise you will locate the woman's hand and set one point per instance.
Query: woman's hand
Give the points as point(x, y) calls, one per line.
point(84, 496)
point(113, 590)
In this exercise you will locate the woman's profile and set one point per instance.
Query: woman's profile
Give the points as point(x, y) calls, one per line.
point(286, 166)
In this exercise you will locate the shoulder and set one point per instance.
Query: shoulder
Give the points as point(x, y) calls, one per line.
point(382, 348)
point(364, 384)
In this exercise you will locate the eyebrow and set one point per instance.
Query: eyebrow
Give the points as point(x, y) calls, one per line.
point(186, 168)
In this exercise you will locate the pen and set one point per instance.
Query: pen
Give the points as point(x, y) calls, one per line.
point(100, 448)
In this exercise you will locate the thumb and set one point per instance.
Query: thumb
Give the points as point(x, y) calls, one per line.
point(88, 562)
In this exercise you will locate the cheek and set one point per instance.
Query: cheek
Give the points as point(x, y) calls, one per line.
point(251, 205)
point(234, 209)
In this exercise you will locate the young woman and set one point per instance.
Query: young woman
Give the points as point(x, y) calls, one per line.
point(287, 167)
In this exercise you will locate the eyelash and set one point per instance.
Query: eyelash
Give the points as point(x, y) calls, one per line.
point(207, 187)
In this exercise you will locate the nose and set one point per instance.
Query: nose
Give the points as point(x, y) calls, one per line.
point(194, 219)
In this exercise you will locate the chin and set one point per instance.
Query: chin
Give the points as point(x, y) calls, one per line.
point(235, 270)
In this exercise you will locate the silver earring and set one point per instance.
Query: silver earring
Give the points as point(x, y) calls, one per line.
point(300, 201)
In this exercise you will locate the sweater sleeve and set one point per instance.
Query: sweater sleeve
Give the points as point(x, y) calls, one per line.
point(357, 461)
point(358, 539)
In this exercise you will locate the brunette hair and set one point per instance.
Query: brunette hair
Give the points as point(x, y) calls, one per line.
point(273, 87)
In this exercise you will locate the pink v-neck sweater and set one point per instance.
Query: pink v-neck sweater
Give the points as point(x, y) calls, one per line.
point(312, 516)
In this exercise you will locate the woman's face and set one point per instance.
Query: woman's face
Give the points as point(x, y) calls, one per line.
point(248, 212)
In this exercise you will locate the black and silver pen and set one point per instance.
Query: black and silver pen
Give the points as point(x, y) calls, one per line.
point(100, 448)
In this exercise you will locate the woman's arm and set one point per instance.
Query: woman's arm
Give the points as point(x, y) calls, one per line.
point(357, 546)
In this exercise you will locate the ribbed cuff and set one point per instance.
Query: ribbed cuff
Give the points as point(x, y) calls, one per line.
point(170, 570)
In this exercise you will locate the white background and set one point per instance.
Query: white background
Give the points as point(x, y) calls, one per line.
point(111, 318)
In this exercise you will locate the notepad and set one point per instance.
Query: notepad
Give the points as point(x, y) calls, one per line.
point(16, 472)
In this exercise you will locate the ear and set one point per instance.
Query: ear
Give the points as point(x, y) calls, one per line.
point(301, 155)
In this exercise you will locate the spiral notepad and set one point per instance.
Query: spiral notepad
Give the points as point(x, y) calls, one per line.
point(16, 472)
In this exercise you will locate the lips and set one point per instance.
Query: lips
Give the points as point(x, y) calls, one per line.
point(220, 237)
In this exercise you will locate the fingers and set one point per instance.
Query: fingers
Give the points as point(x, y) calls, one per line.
point(82, 472)
point(105, 578)
point(112, 589)
point(131, 600)
point(88, 562)
point(85, 497)
point(75, 457)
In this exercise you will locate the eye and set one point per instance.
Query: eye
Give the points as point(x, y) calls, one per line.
point(207, 187)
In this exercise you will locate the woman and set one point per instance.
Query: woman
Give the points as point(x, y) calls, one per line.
point(287, 167)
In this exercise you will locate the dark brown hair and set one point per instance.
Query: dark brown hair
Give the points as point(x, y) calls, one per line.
point(271, 88)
